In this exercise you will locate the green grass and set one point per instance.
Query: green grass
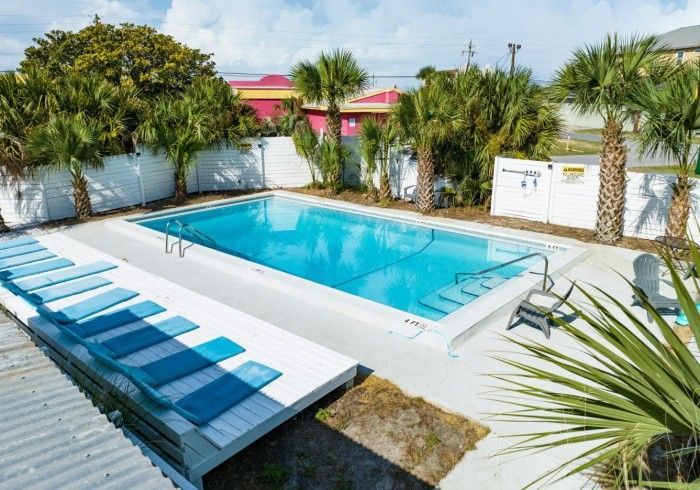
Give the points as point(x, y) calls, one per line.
point(627, 134)
point(575, 147)
point(659, 169)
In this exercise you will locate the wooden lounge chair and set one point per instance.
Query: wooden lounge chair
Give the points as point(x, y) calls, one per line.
point(538, 314)
point(647, 271)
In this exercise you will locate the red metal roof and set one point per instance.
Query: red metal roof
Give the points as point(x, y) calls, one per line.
point(268, 81)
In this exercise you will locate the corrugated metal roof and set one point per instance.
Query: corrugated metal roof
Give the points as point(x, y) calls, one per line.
point(51, 435)
point(681, 38)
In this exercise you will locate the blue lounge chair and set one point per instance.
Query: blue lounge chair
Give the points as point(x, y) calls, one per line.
point(89, 307)
point(15, 273)
point(20, 250)
point(23, 240)
point(32, 283)
point(125, 344)
point(25, 259)
point(52, 293)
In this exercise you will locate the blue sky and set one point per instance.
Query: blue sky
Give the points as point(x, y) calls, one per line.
point(389, 37)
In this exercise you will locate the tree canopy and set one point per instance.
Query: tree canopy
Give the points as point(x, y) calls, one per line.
point(126, 55)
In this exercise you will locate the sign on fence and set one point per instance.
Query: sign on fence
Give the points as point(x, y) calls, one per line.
point(573, 174)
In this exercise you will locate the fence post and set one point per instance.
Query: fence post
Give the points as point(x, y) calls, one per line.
point(43, 199)
point(262, 161)
point(196, 173)
point(550, 194)
point(494, 185)
point(140, 179)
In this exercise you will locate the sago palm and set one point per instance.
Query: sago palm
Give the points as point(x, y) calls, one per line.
point(671, 117)
point(331, 80)
point(306, 145)
point(602, 79)
point(72, 143)
point(424, 118)
point(630, 392)
point(369, 139)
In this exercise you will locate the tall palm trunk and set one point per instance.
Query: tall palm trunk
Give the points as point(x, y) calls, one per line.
point(611, 191)
point(81, 197)
point(333, 124)
point(180, 187)
point(3, 225)
point(426, 181)
point(679, 210)
point(384, 184)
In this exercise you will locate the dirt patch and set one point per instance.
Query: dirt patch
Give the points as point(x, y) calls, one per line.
point(371, 436)
point(481, 215)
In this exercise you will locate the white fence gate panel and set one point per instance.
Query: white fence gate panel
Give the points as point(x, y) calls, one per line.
point(521, 189)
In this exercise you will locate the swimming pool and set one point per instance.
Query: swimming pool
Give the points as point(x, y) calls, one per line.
point(401, 264)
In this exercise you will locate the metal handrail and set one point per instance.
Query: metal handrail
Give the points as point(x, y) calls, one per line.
point(182, 226)
point(504, 264)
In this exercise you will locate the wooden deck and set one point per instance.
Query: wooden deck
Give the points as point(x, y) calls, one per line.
point(309, 371)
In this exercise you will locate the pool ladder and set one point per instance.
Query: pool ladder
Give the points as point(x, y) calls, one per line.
point(545, 279)
point(181, 227)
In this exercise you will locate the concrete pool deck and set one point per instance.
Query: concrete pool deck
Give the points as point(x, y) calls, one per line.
point(420, 368)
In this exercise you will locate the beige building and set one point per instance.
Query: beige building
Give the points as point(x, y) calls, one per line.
point(682, 43)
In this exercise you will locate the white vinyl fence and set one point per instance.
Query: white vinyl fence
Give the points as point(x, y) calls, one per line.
point(127, 180)
point(566, 194)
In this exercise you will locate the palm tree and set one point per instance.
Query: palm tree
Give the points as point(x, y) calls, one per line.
point(331, 80)
point(306, 144)
point(26, 100)
point(604, 79)
point(181, 128)
point(671, 116)
point(369, 138)
point(330, 156)
point(70, 142)
point(205, 115)
point(425, 118)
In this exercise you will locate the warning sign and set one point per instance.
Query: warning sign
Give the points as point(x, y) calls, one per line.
point(573, 174)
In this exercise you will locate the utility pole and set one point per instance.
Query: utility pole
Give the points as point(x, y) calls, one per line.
point(469, 52)
point(513, 49)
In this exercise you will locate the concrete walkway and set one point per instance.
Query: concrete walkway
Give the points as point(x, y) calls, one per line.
point(51, 435)
point(457, 384)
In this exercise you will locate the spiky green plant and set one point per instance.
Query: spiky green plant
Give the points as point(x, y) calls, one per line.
point(330, 159)
point(369, 139)
point(634, 390)
point(306, 144)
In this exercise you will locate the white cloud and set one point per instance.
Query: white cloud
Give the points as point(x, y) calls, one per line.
point(388, 36)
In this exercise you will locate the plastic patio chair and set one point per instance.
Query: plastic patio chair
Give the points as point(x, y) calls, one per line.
point(647, 272)
point(538, 315)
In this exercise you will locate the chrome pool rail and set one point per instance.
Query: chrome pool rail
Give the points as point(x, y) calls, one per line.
point(182, 226)
point(458, 275)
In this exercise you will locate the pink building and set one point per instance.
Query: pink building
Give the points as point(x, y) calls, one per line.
point(376, 103)
point(266, 94)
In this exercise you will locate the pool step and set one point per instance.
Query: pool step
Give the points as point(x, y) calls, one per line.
point(451, 297)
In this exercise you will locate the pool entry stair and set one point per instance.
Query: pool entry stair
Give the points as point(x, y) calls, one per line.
point(452, 296)
point(468, 286)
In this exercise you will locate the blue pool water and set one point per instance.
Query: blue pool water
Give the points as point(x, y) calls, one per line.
point(399, 264)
